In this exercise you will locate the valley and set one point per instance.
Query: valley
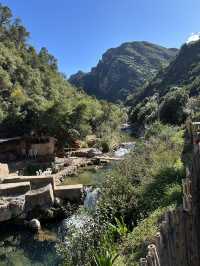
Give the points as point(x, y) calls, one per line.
point(100, 168)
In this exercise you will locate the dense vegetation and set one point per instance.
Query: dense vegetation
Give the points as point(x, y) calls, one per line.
point(123, 69)
point(134, 196)
point(35, 97)
point(138, 192)
point(170, 94)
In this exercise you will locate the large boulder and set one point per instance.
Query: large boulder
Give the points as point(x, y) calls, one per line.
point(34, 225)
point(11, 208)
point(42, 198)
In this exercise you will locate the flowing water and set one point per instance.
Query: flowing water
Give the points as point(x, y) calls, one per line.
point(22, 248)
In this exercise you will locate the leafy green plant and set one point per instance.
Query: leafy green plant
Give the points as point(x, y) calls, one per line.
point(105, 259)
point(120, 228)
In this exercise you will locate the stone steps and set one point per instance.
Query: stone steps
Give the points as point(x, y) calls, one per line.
point(67, 192)
point(35, 181)
point(14, 189)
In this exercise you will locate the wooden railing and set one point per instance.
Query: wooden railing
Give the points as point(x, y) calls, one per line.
point(178, 241)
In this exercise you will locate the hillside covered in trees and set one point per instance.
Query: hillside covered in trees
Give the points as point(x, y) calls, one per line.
point(35, 97)
point(123, 70)
point(173, 95)
point(137, 191)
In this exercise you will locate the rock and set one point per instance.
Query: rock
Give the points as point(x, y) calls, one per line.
point(42, 198)
point(14, 189)
point(94, 152)
point(11, 208)
point(87, 152)
point(58, 202)
point(5, 213)
point(4, 171)
point(123, 69)
point(34, 225)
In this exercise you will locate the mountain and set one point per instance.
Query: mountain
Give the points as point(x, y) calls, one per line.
point(123, 69)
point(174, 93)
point(183, 71)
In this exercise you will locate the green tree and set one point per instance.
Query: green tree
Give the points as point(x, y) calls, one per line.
point(173, 107)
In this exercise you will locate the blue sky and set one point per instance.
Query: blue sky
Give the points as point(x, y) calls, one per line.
point(78, 32)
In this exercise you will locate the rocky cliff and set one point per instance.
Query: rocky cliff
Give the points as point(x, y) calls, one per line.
point(184, 71)
point(123, 70)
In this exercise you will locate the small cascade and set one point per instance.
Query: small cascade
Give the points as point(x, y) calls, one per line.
point(76, 221)
point(124, 148)
point(81, 220)
point(91, 198)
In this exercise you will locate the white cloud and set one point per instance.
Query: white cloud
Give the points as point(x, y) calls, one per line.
point(193, 38)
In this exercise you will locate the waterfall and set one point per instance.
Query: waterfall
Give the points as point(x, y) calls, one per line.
point(91, 198)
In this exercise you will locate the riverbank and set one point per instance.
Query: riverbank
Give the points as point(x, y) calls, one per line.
point(53, 215)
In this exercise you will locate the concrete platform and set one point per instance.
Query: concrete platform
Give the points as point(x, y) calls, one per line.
point(69, 192)
point(35, 181)
point(14, 189)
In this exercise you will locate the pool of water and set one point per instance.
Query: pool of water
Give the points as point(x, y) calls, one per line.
point(19, 247)
point(93, 175)
point(90, 175)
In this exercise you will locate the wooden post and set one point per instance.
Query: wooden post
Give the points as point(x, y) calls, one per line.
point(143, 262)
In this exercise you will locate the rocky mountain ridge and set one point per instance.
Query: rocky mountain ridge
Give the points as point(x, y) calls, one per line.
point(123, 70)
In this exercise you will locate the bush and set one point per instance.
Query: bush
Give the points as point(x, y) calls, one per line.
point(137, 241)
point(173, 107)
point(143, 186)
point(134, 195)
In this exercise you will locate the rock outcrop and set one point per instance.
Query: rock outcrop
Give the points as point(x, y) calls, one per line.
point(182, 72)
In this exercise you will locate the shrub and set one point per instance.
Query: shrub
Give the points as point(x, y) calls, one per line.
point(137, 241)
point(173, 107)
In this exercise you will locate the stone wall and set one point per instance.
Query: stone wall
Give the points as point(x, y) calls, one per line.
point(178, 241)
point(44, 149)
point(4, 170)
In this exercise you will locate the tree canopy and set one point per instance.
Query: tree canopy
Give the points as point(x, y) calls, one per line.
point(35, 96)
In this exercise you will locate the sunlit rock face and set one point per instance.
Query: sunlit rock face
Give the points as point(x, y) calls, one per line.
point(122, 70)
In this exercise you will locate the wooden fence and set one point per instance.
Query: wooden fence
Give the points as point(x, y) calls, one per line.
point(178, 241)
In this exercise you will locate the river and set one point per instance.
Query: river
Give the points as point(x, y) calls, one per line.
point(19, 247)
